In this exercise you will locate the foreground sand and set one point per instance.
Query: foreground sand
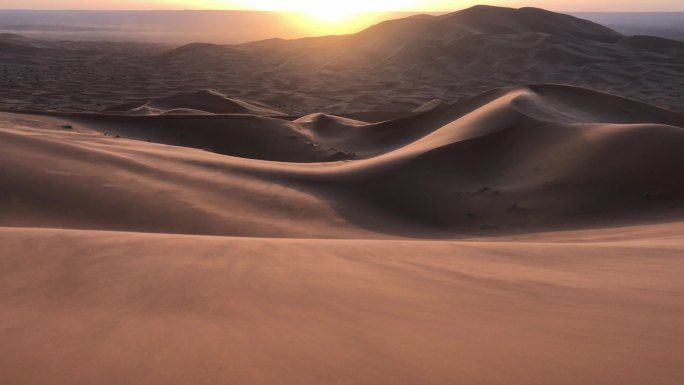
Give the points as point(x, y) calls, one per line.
point(83, 307)
point(200, 248)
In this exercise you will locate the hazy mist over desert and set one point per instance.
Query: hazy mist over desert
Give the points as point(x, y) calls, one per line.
point(365, 193)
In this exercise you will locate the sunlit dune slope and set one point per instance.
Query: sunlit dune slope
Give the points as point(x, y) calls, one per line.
point(110, 308)
point(509, 160)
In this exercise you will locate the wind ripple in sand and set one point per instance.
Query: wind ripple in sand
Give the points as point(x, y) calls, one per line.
point(510, 160)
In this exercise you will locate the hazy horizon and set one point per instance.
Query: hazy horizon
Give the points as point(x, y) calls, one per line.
point(233, 27)
point(289, 12)
point(350, 6)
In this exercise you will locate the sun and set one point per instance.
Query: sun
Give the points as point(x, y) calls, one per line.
point(330, 13)
point(329, 9)
point(332, 17)
point(318, 10)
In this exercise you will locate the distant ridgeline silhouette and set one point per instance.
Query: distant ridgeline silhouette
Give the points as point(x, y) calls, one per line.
point(397, 65)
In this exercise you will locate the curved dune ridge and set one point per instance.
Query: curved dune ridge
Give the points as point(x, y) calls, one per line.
point(194, 51)
point(107, 274)
point(22, 41)
point(456, 55)
point(207, 101)
point(508, 160)
point(492, 20)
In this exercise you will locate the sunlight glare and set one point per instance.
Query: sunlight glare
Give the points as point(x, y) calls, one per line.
point(333, 17)
point(332, 11)
point(329, 12)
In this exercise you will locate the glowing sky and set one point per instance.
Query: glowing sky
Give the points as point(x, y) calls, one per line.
point(342, 7)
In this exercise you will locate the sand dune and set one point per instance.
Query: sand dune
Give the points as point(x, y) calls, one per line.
point(449, 57)
point(85, 307)
point(524, 158)
point(390, 207)
point(347, 295)
point(490, 20)
point(12, 43)
point(201, 101)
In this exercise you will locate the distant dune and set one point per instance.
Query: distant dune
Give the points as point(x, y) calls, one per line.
point(662, 24)
point(200, 101)
point(234, 27)
point(394, 66)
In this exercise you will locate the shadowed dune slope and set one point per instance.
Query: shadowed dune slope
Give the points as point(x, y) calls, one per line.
point(502, 20)
point(509, 160)
point(17, 44)
point(194, 51)
point(245, 136)
point(491, 20)
point(74, 178)
point(482, 35)
point(207, 101)
point(456, 55)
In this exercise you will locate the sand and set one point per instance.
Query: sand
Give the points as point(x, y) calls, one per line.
point(101, 307)
point(133, 261)
point(517, 159)
point(529, 234)
point(395, 66)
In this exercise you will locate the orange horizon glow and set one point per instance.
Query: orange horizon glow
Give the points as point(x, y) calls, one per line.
point(346, 16)
point(318, 17)
point(331, 16)
point(319, 7)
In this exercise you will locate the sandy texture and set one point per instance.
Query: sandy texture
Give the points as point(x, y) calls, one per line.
point(510, 160)
point(525, 235)
point(395, 66)
point(337, 288)
point(93, 307)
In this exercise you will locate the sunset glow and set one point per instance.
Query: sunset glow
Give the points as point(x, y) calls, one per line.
point(324, 21)
point(332, 10)
point(322, 17)
point(332, 14)
point(326, 10)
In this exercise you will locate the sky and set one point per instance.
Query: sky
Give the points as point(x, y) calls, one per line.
point(330, 8)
